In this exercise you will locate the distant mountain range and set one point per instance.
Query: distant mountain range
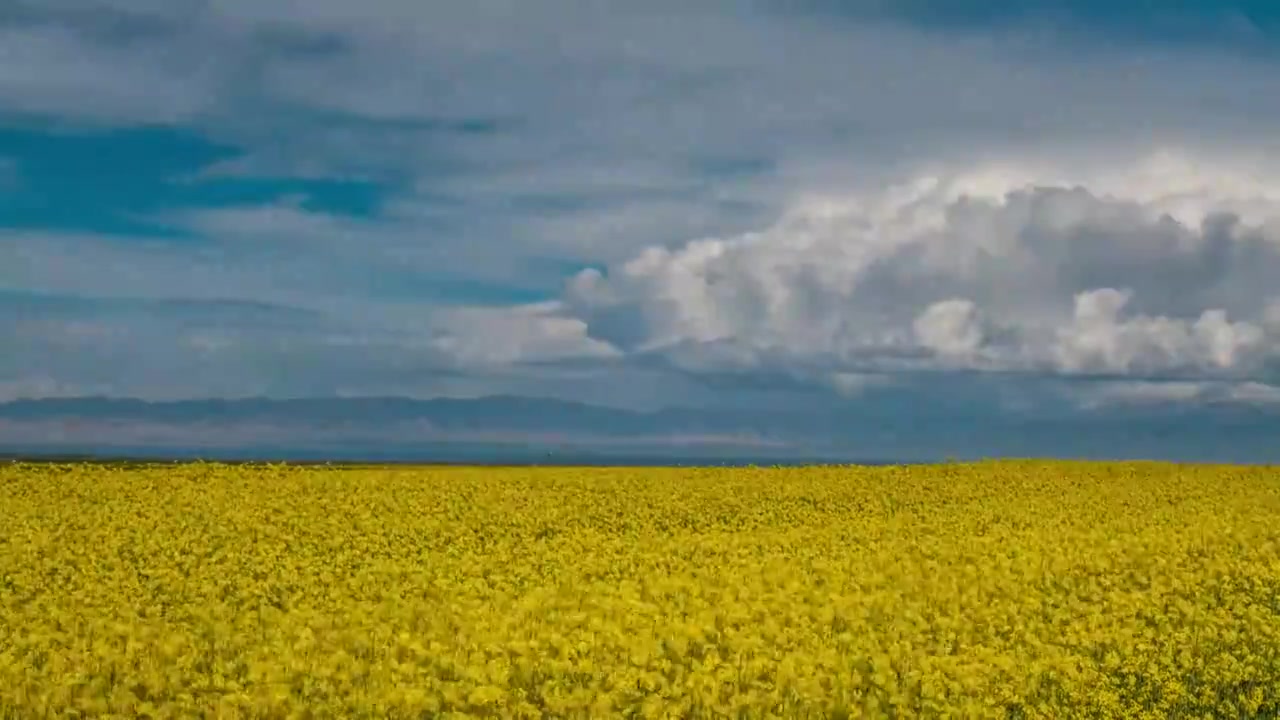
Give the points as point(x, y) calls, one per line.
point(500, 426)
point(523, 428)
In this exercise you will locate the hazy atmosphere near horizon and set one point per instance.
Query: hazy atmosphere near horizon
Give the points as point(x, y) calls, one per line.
point(742, 229)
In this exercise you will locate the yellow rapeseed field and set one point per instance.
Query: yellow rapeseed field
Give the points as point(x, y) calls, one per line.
point(1003, 590)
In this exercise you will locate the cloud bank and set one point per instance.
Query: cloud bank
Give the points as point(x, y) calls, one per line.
point(1159, 270)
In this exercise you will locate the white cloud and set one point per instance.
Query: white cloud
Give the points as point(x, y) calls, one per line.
point(502, 336)
point(1258, 393)
point(852, 384)
point(950, 328)
point(980, 268)
point(1139, 392)
point(170, 348)
point(1099, 340)
point(1187, 393)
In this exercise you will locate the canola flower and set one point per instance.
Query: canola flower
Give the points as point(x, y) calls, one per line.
point(987, 590)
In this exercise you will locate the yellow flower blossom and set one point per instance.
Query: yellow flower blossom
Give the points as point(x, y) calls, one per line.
point(1003, 589)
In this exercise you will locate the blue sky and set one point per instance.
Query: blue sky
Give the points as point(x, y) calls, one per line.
point(645, 204)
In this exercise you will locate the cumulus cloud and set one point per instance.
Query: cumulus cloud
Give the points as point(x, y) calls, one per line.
point(950, 328)
point(1098, 339)
point(1142, 271)
point(502, 336)
point(201, 347)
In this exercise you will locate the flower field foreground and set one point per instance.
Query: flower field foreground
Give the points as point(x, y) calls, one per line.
point(1010, 589)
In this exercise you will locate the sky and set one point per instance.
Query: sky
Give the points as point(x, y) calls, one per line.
point(723, 204)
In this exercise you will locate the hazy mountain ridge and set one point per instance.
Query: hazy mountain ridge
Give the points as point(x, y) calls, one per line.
point(884, 428)
point(437, 427)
